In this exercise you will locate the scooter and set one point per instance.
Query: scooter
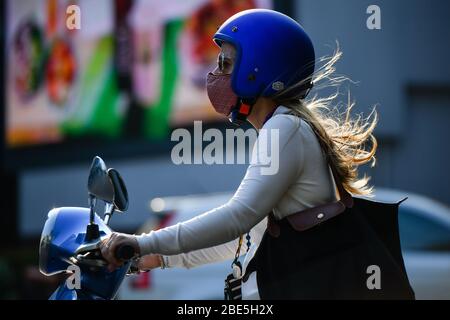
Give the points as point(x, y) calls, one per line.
point(70, 240)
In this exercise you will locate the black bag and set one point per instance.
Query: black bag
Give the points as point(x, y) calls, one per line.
point(331, 260)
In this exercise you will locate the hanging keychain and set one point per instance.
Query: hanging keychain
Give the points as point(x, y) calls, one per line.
point(232, 290)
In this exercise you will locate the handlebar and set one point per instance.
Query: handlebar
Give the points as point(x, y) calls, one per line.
point(124, 252)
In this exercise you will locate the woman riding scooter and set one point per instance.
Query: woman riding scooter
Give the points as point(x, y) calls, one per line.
point(265, 70)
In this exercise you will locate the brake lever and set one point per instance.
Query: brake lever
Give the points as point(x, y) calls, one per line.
point(91, 246)
point(97, 261)
point(89, 254)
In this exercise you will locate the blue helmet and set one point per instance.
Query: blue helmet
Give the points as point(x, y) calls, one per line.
point(273, 52)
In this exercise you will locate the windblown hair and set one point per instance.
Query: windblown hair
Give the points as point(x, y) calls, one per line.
point(346, 142)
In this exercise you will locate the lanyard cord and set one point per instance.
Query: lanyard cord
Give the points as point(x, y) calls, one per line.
point(238, 251)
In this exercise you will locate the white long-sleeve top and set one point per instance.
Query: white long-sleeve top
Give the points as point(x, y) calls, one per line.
point(303, 180)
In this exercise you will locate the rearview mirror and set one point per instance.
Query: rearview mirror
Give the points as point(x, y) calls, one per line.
point(120, 198)
point(99, 182)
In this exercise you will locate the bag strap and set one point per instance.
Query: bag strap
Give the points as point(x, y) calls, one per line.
point(344, 195)
point(310, 217)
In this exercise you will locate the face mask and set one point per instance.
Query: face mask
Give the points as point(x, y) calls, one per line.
point(220, 92)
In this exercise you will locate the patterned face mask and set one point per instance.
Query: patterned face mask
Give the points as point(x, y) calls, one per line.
point(220, 93)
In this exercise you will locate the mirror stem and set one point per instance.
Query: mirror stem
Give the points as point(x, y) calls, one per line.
point(92, 202)
point(107, 218)
point(109, 210)
point(92, 230)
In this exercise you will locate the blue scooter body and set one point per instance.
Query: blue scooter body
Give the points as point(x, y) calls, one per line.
point(64, 232)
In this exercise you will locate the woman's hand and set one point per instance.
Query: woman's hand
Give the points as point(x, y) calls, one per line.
point(148, 262)
point(108, 248)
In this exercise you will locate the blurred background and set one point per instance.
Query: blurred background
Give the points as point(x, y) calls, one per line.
point(136, 70)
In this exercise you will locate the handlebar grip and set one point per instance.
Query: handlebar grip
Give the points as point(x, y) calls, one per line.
point(124, 252)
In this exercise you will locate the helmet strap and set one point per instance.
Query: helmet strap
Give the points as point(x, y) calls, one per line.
point(241, 111)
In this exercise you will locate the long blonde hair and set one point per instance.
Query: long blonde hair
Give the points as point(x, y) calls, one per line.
point(346, 142)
